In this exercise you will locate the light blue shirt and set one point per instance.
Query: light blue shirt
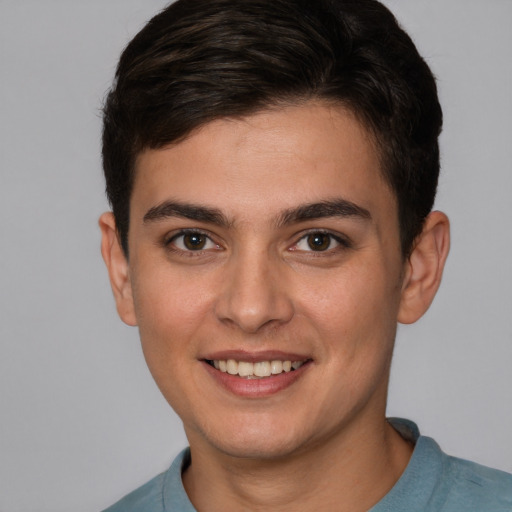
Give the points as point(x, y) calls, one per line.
point(432, 482)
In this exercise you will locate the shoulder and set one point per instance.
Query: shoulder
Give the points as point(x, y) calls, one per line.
point(457, 484)
point(477, 487)
point(436, 482)
point(163, 493)
point(147, 498)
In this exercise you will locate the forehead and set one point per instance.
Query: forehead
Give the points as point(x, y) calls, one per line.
point(265, 163)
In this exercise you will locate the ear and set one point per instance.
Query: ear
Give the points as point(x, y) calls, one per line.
point(118, 268)
point(424, 268)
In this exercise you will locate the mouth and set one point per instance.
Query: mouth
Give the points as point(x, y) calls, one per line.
point(256, 375)
point(255, 370)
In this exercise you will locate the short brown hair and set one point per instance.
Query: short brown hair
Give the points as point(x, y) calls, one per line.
point(200, 60)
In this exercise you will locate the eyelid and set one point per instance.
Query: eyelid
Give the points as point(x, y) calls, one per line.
point(341, 240)
point(171, 237)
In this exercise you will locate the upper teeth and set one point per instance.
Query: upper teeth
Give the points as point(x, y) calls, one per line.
point(259, 369)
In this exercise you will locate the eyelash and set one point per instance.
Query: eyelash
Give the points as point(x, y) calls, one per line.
point(170, 242)
point(341, 241)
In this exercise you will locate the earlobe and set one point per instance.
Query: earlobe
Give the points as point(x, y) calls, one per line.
point(118, 269)
point(424, 268)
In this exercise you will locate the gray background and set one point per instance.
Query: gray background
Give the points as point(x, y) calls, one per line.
point(81, 421)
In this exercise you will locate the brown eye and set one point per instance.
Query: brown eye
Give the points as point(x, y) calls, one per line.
point(194, 241)
point(319, 241)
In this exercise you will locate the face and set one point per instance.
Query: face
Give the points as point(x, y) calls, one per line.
point(256, 245)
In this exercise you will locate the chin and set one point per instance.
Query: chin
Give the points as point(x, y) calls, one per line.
point(262, 449)
point(251, 439)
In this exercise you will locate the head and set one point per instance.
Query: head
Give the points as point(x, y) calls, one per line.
point(202, 60)
point(271, 167)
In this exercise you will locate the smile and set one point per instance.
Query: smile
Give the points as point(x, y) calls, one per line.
point(256, 370)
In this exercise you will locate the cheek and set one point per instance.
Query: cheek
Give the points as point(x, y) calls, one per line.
point(170, 309)
point(170, 312)
point(355, 309)
point(355, 320)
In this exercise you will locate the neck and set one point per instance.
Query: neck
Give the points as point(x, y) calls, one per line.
point(351, 471)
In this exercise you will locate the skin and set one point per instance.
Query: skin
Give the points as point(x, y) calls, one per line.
point(322, 442)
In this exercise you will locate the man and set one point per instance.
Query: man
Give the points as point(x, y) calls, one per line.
point(272, 168)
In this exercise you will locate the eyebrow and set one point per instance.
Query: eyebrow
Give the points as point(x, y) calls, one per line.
point(311, 211)
point(330, 208)
point(169, 209)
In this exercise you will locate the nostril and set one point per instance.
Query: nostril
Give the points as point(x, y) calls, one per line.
point(253, 294)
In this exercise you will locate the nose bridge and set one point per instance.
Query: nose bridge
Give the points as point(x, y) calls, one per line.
point(254, 293)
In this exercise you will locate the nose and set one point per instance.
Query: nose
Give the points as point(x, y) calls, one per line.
point(255, 294)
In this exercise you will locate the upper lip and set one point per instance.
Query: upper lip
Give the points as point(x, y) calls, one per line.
point(255, 356)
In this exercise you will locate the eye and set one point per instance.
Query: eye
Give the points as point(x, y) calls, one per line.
point(192, 241)
point(318, 241)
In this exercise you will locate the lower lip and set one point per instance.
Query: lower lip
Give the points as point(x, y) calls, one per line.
point(256, 388)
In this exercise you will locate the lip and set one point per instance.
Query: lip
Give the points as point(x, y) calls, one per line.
point(254, 357)
point(256, 388)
